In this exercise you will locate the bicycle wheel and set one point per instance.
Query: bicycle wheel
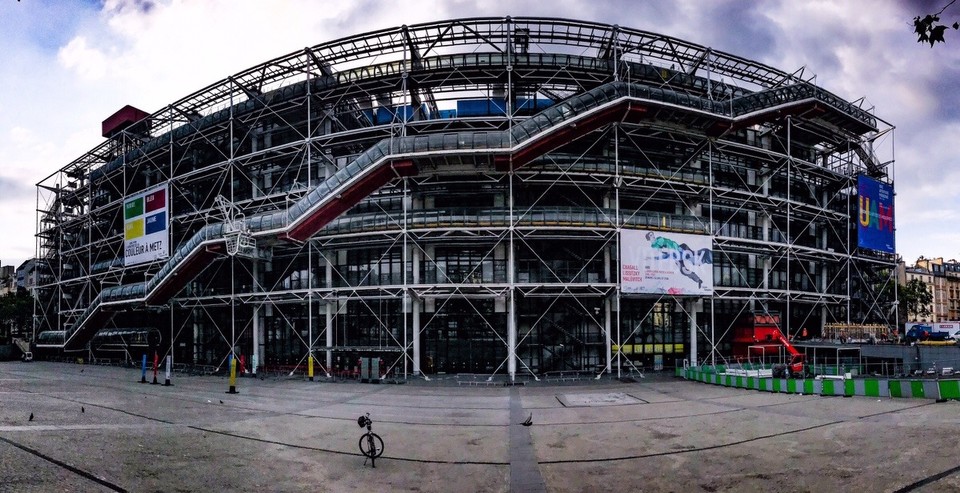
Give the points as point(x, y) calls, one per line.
point(371, 445)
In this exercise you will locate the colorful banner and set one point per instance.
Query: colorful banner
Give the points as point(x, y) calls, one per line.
point(660, 262)
point(875, 215)
point(145, 227)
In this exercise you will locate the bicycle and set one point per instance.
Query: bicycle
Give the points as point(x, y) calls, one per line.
point(371, 445)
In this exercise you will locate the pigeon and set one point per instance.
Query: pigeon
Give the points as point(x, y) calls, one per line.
point(31, 417)
point(529, 420)
point(221, 401)
point(82, 410)
point(81, 370)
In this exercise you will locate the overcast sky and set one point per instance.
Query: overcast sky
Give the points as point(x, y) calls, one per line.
point(67, 65)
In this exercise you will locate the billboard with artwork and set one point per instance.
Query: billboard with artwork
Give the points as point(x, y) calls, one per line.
point(875, 215)
point(661, 262)
point(145, 218)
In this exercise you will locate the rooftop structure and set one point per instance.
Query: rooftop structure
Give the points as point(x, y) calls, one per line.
point(486, 195)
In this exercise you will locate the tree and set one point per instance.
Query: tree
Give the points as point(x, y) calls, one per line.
point(915, 298)
point(16, 313)
point(928, 28)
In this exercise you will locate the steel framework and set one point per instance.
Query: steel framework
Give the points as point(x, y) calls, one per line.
point(449, 197)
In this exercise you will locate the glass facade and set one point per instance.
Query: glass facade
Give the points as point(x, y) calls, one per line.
point(451, 213)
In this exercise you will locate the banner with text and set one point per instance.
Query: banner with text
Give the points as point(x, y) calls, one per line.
point(875, 217)
point(145, 235)
point(660, 262)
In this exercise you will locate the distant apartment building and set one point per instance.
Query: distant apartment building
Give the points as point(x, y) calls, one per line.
point(27, 276)
point(943, 281)
point(8, 280)
point(952, 272)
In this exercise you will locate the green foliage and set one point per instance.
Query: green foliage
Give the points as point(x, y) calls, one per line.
point(928, 28)
point(915, 298)
point(16, 313)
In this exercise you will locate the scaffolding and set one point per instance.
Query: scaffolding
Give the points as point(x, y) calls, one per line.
point(858, 332)
point(454, 194)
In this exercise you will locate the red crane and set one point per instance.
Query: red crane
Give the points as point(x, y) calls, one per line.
point(758, 334)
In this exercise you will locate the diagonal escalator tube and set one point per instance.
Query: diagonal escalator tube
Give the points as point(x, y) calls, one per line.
point(392, 157)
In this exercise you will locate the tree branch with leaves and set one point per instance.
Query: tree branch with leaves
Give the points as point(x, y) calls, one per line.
point(929, 29)
point(915, 299)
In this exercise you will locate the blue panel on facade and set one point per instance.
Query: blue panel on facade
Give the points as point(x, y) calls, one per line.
point(875, 215)
point(481, 107)
point(387, 114)
point(156, 223)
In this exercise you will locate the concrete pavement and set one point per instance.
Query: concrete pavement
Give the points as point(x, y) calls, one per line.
point(657, 434)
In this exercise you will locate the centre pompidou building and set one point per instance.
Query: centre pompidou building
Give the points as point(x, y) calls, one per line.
point(489, 195)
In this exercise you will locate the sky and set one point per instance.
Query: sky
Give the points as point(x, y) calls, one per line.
point(67, 65)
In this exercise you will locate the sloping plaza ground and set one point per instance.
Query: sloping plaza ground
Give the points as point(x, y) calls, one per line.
point(98, 429)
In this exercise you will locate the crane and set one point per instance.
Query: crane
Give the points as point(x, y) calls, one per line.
point(760, 332)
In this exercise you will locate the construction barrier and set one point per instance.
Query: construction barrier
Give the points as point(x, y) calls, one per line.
point(950, 389)
point(827, 386)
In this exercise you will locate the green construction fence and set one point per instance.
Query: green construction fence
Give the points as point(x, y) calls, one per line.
point(868, 387)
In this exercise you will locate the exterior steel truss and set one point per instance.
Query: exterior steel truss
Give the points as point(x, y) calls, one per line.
point(525, 146)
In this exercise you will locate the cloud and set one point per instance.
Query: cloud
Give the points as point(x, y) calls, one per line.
point(68, 65)
point(88, 63)
point(14, 192)
point(118, 7)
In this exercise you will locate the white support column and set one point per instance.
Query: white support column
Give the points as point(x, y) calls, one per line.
point(255, 361)
point(257, 336)
point(329, 325)
point(415, 312)
point(196, 345)
point(328, 266)
point(511, 262)
point(606, 328)
point(823, 318)
point(310, 324)
point(693, 306)
point(173, 337)
point(415, 322)
point(512, 336)
point(607, 277)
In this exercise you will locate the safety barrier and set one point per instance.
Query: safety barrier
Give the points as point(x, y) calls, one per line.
point(847, 387)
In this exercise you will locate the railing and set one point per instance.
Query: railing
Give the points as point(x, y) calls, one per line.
point(575, 108)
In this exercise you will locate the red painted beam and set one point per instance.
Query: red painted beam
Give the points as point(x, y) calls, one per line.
point(189, 268)
point(811, 107)
point(628, 111)
point(96, 321)
point(349, 198)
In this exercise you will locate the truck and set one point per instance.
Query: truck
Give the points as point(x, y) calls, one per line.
point(758, 335)
point(939, 331)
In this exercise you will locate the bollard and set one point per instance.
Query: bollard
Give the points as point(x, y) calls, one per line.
point(310, 367)
point(143, 369)
point(166, 382)
point(233, 376)
point(155, 362)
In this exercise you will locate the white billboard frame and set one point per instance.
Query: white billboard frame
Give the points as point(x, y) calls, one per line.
point(666, 263)
point(143, 239)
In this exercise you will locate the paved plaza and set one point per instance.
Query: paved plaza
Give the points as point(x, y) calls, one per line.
point(97, 428)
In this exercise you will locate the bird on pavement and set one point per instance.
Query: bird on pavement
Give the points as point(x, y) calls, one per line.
point(529, 420)
point(221, 401)
point(31, 417)
point(82, 410)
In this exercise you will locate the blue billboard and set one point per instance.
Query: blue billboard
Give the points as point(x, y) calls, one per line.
point(875, 216)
